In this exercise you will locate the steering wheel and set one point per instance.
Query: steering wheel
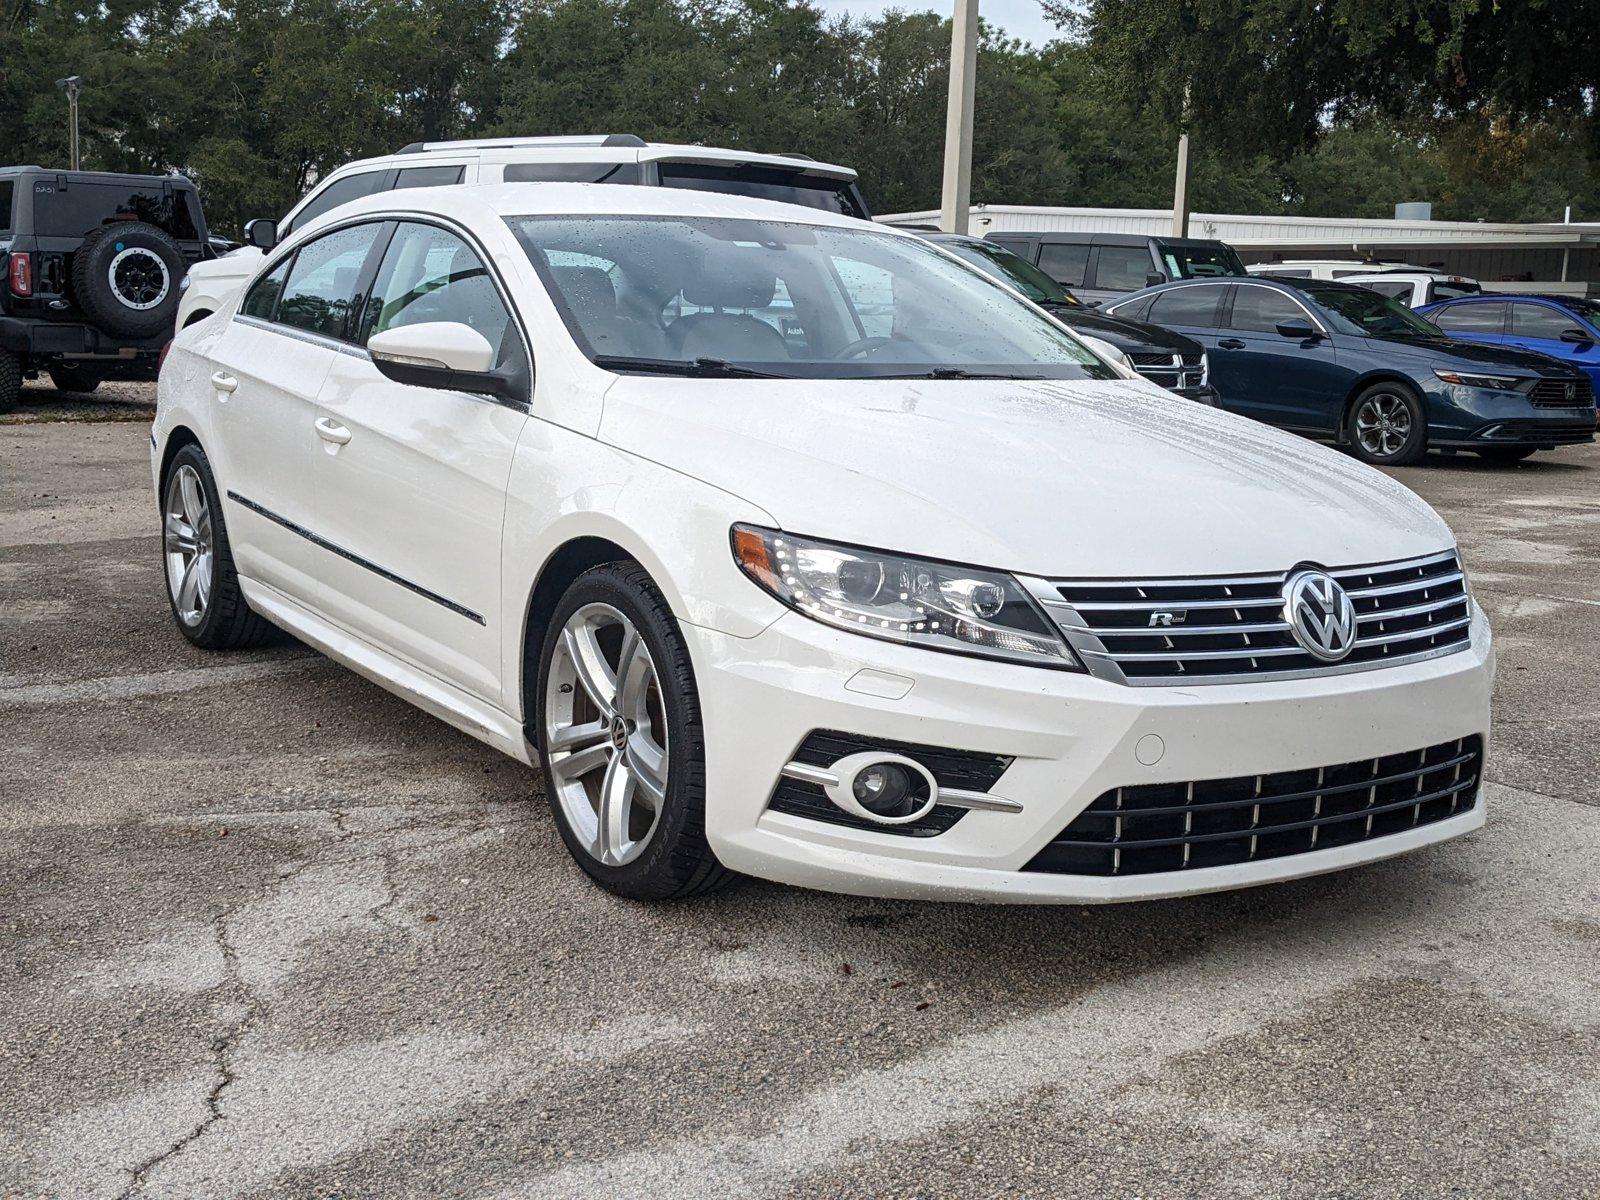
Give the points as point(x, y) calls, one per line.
point(861, 346)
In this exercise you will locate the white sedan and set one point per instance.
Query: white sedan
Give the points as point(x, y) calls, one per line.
point(789, 545)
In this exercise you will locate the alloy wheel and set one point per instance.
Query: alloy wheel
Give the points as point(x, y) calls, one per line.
point(189, 543)
point(1383, 424)
point(605, 734)
point(139, 278)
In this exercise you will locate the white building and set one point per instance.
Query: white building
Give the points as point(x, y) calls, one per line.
point(1554, 257)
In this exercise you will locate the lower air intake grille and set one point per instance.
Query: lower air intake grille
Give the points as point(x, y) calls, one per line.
point(1159, 827)
point(962, 769)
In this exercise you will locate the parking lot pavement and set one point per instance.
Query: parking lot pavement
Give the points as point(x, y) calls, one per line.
point(271, 932)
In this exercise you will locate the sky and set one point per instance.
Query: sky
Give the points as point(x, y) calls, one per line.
point(1019, 18)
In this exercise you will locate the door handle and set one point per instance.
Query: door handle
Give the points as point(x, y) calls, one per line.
point(1230, 344)
point(330, 430)
point(224, 382)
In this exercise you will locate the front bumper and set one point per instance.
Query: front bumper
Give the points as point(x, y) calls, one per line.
point(1071, 738)
point(1472, 418)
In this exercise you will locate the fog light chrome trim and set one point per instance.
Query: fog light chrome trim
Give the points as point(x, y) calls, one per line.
point(828, 779)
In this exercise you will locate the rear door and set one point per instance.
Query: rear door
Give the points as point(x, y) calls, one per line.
point(411, 482)
point(1195, 310)
point(267, 367)
point(1295, 382)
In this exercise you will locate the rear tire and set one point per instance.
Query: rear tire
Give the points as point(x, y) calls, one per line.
point(1386, 427)
point(1505, 454)
point(10, 380)
point(621, 741)
point(74, 379)
point(202, 585)
point(125, 278)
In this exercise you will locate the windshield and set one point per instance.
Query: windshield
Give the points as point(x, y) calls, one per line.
point(765, 183)
point(1012, 269)
point(1200, 262)
point(693, 295)
point(1589, 310)
point(1359, 311)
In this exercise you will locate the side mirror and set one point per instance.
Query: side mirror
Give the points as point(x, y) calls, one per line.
point(1576, 337)
point(1298, 328)
point(262, 233)
point(1154, 279)
point(441, 354)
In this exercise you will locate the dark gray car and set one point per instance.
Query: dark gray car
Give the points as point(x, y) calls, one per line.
point(1101, 267)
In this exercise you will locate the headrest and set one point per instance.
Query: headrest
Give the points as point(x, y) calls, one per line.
point(728, 280)
point(587, 289)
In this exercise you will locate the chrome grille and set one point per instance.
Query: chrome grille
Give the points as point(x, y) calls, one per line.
point(1157, 827)
point(1221, 629)
point(1562, 393)
point(1172, 371)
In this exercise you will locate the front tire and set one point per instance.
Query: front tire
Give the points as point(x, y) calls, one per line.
point(202, 585)
point(621, 741)
point(1386, 427)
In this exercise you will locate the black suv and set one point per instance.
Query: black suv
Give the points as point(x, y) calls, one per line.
point(93, 268)
point(1102, 267)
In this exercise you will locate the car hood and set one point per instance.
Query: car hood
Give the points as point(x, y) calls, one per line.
point(1128, 336)
point(1060, 478)
point(1445, 353)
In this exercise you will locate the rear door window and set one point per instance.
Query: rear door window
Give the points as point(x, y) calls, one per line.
point(1477, 317)
point(1123, 268)
point(442, 175)
point(1194, 307)
point(321, 290)
point(340, 191)
point(1065, 262)
point(7, 191)
point(573, 172)
point(261, 300)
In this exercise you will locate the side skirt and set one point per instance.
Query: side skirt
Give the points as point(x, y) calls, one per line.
point(451, 705)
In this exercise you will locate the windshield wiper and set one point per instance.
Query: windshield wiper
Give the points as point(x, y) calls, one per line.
point(958, 373)
point(698, 368)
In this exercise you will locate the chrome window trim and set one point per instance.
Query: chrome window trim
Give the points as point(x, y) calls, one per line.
point(304, 335)
point(1103, 664)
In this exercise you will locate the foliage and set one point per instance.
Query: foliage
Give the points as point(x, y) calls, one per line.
point(1336, 107)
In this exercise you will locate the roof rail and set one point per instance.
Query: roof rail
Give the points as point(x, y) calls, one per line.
point(796, 154)
point(492, 143)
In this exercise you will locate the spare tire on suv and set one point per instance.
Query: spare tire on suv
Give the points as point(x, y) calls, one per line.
point(125, 278)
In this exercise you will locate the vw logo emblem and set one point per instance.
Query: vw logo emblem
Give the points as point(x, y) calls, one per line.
point(1320, 614)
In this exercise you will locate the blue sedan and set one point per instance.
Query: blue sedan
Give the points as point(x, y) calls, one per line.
point(1564, 327)
point(1340, 362)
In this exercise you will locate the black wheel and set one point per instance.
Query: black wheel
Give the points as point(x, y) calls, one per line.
point(125, 278)
point(73, 378)
point(1386, 426)
point(1505, 454)
point(202, 585)
point(10, 380)
point(621, 742)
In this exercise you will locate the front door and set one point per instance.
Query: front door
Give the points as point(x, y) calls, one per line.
point(1289, 381)
point(411, 481)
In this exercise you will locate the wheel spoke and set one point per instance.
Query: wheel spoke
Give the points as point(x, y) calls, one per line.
point(633, 674)
point(616, 805)
point(594, 673)
point(180, 531)
point(648, 764)
point(194, 502)
point(578, 763)
point(578, 737)
point(189, 589)
point(202, 572)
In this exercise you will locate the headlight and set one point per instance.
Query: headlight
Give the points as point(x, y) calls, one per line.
point(908, 600)
point(1495, 383)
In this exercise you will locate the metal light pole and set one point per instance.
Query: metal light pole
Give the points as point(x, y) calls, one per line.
point(72, 85)
point(956, 196)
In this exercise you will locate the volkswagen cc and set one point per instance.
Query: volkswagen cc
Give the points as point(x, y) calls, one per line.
point(789, 545)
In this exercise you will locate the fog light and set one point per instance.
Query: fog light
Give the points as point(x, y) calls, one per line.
point(887, 789)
